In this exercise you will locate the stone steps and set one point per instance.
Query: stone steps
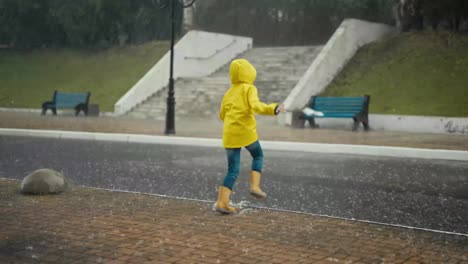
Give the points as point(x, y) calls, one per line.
point(278, 71)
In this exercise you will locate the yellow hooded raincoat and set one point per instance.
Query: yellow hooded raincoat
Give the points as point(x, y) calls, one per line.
point(239, 106)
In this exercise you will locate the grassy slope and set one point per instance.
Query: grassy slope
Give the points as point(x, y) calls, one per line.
point(410, 74)
point(29, 78)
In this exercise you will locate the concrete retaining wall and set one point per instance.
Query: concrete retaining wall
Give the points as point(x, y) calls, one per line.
point(342, 46)
point(414, 124)
point(197, 54)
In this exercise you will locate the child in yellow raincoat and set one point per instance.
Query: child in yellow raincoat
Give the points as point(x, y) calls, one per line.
point(238, 109)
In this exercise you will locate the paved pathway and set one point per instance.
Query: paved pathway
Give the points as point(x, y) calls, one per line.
point(431, 194)
point(93, 226)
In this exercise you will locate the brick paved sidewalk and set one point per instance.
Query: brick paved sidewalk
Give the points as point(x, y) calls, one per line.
point(96, 226)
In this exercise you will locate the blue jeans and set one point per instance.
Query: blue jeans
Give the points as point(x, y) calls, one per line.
point(233, 157)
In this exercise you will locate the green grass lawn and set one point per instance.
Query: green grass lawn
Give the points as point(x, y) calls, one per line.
point(422, 73)
point(29, 78)
point(411, 74)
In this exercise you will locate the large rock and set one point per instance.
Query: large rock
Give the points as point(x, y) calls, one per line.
point(44, 181)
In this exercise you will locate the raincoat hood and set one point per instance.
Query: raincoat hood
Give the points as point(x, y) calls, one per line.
point(241, 71)
point(239, 106)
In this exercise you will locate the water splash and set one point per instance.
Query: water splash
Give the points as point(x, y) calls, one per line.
point(245, 206)
point(241, 204)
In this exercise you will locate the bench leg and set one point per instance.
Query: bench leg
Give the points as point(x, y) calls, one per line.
point(365, 123)
point(81, 107)
point(362, 118)
point(356, 123)
point(45, 106)
point(312, 123)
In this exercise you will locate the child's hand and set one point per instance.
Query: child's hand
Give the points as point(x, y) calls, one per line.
point(280, 109)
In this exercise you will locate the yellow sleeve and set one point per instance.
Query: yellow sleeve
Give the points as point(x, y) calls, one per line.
point(222, 112)
point(257, 106)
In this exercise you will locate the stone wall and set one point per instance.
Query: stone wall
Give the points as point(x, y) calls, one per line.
point(343, 45)
point(402, 123)
point(197, 54)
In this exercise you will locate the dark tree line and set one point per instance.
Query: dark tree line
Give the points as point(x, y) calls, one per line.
point(83, 23)
point(435, 14)
point(287, 22)
point(297, 22)
point(105, 23)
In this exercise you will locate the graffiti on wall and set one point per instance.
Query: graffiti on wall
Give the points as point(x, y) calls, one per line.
point(454, 128)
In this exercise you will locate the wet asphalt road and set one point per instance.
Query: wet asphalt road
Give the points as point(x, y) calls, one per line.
point(430, 194)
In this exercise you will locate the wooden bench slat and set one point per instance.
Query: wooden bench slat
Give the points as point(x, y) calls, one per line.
point(341, 100)
point(345, 100)
point(316, 107)
point(337, 115)
point(337, 101)
point(338, 97)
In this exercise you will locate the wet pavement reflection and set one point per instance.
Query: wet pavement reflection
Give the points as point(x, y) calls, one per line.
point(431, 194)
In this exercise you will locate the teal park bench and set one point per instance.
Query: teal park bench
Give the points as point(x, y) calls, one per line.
point(356, 108)
point(62, 100)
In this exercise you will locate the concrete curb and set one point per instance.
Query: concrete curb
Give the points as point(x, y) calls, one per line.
point(384, 151)
point(412, 124)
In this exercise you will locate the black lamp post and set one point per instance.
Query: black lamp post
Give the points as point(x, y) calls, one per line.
point(170, 114)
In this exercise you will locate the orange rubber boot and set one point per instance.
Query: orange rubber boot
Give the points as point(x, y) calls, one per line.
point(255, 185)
point(222, 205)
